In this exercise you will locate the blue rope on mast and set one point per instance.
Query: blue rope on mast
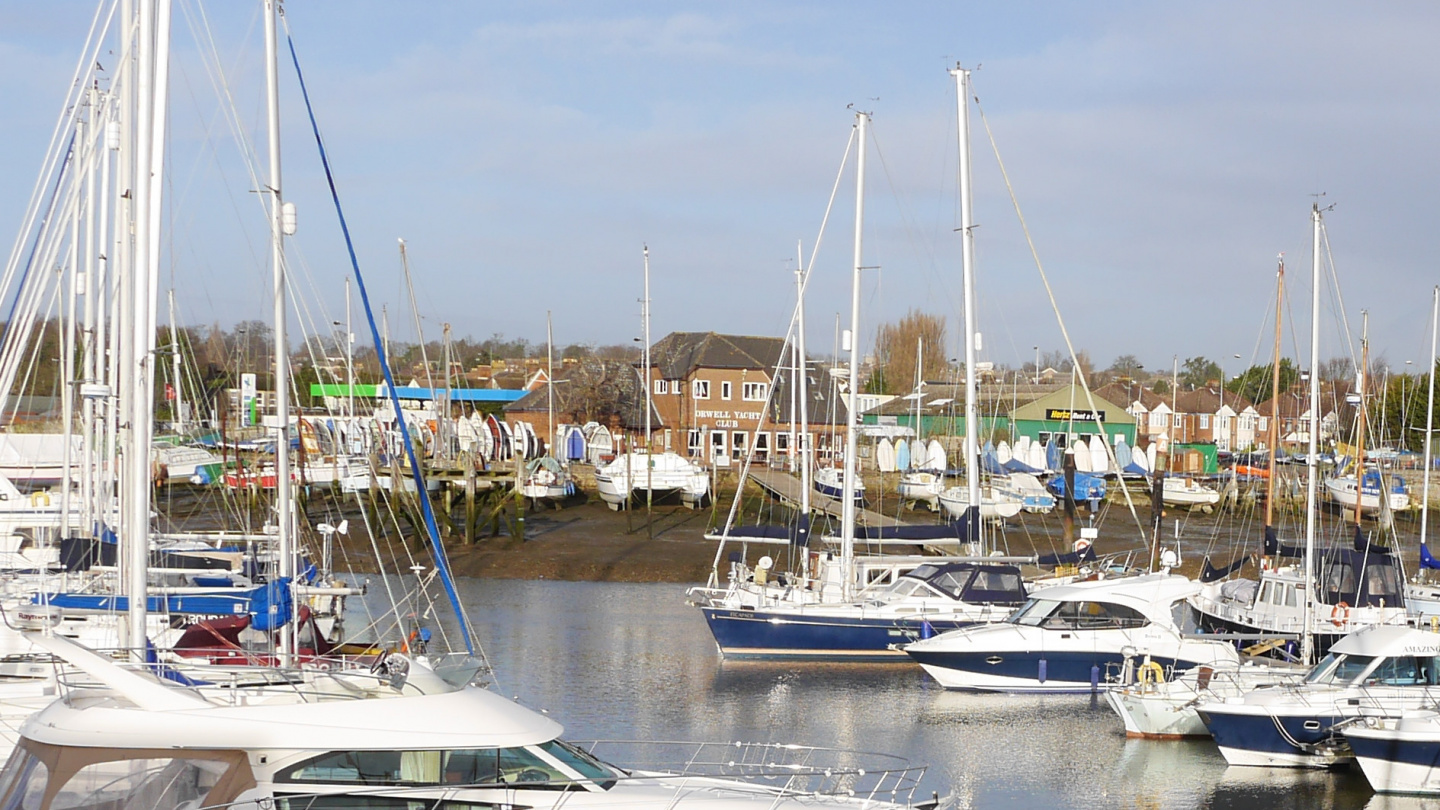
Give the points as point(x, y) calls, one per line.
point(442, 564)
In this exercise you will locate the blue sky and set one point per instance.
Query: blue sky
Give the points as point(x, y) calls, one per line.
point(1163, 154)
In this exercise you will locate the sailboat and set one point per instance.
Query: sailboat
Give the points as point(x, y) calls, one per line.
point(547, 478)
point(925, 482)
point(1355, 487)
point(826, 611)
point(1422, 593)
point(641, 471)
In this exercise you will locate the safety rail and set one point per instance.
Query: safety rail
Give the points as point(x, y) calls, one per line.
point(784, 768)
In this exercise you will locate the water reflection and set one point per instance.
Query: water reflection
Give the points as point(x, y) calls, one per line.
point(632, 661)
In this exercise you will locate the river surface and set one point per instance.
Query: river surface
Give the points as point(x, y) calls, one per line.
point(632, 661)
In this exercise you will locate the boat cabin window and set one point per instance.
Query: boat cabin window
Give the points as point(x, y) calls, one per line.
point(517, 767)
point(1339, 668)
point(1404, 670)
point(1094, 616)
point(1077, 615)
point(999, 586)
point(376, 803)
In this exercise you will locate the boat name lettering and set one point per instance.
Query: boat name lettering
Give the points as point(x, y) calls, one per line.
point(1073, 415)
point(1421, 649)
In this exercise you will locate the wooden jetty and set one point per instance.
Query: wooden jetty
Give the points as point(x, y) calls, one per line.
point(787, 489)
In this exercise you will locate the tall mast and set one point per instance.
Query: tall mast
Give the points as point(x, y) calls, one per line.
point(649, 461)
point(179, 414)
point(1312, 460)
point(801, 387)
point(852, 415)
point(277, 262)
point(139, 362)
point(967, 256)
point(349, 367)
point(1429, 415)
point(550, 381)
point(1361, 375)
point(1273, 434)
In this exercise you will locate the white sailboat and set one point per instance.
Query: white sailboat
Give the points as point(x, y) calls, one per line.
point(641, 471)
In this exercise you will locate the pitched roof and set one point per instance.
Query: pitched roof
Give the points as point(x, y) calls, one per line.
point(679, 353)
point(594, 389)
point(1128, 393)
point(1209, 399)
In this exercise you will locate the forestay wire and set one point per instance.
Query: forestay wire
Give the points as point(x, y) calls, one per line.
point(442, 564)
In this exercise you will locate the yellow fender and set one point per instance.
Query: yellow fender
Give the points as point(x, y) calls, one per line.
point(1152, 673)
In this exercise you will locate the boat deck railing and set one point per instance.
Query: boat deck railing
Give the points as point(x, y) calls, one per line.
point(786, 769)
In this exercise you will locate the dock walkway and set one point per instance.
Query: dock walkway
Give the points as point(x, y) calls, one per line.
point(787, 489)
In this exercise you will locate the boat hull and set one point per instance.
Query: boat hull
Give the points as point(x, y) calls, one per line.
point(795, 635)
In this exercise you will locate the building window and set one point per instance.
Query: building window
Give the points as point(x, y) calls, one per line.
point(1179, 417)
point(692, 442)
point(754, 392)
point(700, 389)
point(738, 443)
point(1262, 424)
point(676, 386)
point(661, 387)
point(727, 389)
point(1157, 419)
point(1204, 421)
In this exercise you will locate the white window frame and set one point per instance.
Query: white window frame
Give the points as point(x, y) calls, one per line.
point(1204, 421)
point(661, 387)
point(727, 389)
point(754, 391)
point(700, 389)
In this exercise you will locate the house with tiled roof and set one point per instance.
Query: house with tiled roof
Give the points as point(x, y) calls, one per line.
point(1212, 414)
point(710, 392)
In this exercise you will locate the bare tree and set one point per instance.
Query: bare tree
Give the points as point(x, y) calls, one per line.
point(895, 347)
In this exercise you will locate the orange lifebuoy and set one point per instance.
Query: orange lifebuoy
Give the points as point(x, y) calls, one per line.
point(1340, 614)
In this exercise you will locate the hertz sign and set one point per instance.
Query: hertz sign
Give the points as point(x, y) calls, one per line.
point(1069, 415)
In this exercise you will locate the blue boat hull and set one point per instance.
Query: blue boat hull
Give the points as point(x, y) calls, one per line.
point(1290, 738)
point(790, 635)
point(1062, 671)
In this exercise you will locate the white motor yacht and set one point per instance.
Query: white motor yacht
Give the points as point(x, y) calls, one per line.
point(1070, 638)
point(1375, 672)
point(1399, 754)
point(396, 738)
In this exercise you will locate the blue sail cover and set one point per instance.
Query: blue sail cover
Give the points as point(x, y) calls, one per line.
point(1018, 466)
point(990, 461)
point(1123, 456)
point(1087, 487)
point(1053, 455)
point(1427, 561)
point(270, 605)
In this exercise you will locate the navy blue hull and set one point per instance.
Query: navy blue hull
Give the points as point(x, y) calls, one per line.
point(785, 634)
point(1270, 734)
point(1061, 667)
point(1409, 752)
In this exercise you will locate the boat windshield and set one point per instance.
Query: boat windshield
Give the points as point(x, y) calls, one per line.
point(1339, 668)
point(1034, 612)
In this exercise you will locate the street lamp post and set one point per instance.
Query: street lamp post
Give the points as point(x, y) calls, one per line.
point(1037, 365)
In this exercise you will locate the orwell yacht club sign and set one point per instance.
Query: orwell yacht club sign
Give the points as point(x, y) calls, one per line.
point(729, 419)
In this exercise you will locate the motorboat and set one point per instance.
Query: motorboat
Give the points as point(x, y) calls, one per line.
point(182, 462)
point(1356, 587)
point(399, 735)
point(1088, 487)
point(921, 486)
point(1399, 754)
point(995, 502)
point(547, 480)
point(830, 481)
point(1186, 491)
point(1159, 704)
point(930, 598)
point(1341, 490)
point(1034, 498)
point(662, 474)
point(1067, 638)
point(1374, 672)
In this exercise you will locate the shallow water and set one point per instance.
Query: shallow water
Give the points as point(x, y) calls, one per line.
point(632, 661)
